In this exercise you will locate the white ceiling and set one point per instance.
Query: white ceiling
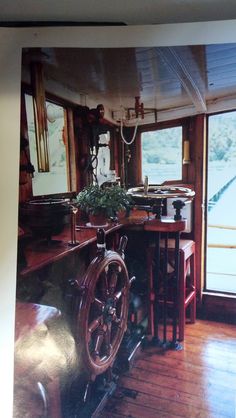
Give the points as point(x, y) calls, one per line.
point(123, 11)
point(170, 81)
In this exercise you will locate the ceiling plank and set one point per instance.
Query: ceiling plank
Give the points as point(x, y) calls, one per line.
point(177, 65)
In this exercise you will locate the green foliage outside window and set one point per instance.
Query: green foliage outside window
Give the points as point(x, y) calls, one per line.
point(162, 155)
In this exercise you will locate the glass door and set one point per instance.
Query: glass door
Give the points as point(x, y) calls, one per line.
point(221, 218)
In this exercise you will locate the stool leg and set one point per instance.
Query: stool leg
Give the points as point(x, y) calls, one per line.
point(156, 287)
point(176, 291)
point(165, 278)
point(150, 255)
point(182, 287)
point(193, 284)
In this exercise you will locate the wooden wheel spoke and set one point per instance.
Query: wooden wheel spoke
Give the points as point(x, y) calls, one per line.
point(95, 324)
point(118, 294)
point(117, 321)
point(100, 305)
point(97, 346)
point(105, 290)
point(113, 280)
point(107, 339)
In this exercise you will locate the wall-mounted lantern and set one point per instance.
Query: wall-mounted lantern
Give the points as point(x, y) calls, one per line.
point(186, 157)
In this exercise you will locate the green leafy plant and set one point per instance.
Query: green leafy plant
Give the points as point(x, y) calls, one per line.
point(107, 200)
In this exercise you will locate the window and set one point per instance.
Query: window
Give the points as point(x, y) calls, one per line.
point(221, 186)
point(162, 155)
point(57, 179)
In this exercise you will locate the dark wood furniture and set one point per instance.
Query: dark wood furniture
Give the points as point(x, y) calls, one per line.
point(161, 228)
point(187, 281)
point(87, 287)
point(39, 253)
point(100, 321)
point(36, 368)
point(96, 325)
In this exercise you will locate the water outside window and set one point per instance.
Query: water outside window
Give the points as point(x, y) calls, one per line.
point(221, 224)
point(162, 155)
point(54, 181)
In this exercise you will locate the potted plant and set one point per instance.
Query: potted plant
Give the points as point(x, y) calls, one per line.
point(102, 203)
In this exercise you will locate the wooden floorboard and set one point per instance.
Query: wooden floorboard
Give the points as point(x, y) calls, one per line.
point(196, 382)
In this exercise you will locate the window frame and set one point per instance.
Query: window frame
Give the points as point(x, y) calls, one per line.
point(184, 123)
point(71, 146)
point(208, 292)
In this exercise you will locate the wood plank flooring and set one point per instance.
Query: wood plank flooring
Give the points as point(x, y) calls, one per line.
point(197, 382)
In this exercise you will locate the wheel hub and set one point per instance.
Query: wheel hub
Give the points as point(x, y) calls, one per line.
point(109, 313)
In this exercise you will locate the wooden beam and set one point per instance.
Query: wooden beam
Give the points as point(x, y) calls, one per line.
point(183, 73)
point(197, 177)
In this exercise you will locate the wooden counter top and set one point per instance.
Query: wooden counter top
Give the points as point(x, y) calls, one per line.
point(39, 253)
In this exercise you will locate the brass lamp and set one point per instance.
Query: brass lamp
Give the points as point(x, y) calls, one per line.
point(186, 158)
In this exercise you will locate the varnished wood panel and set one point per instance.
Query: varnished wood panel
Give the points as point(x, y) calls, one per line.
point(197, 175)
point(39, 253)
point(197, 382)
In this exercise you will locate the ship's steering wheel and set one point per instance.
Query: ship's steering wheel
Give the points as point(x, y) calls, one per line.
point(103, 312)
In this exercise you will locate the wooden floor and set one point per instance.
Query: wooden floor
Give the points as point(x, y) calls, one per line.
point(197, 382)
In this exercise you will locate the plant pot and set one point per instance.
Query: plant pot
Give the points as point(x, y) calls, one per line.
point(98, 220)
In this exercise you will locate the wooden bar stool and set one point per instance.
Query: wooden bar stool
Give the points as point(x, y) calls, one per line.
point(161, 228)
point(187, 280)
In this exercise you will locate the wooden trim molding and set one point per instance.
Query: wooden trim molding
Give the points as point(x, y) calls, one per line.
point(197, 175)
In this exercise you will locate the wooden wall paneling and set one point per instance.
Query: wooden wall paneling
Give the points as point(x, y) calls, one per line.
point(25, 178)
point(65, 136)
point(219, 308)
point(191, 137)
point(197, 176)
point(81, 134)
point(72, 153)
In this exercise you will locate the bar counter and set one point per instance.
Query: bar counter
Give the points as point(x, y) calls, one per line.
point(39, 253)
